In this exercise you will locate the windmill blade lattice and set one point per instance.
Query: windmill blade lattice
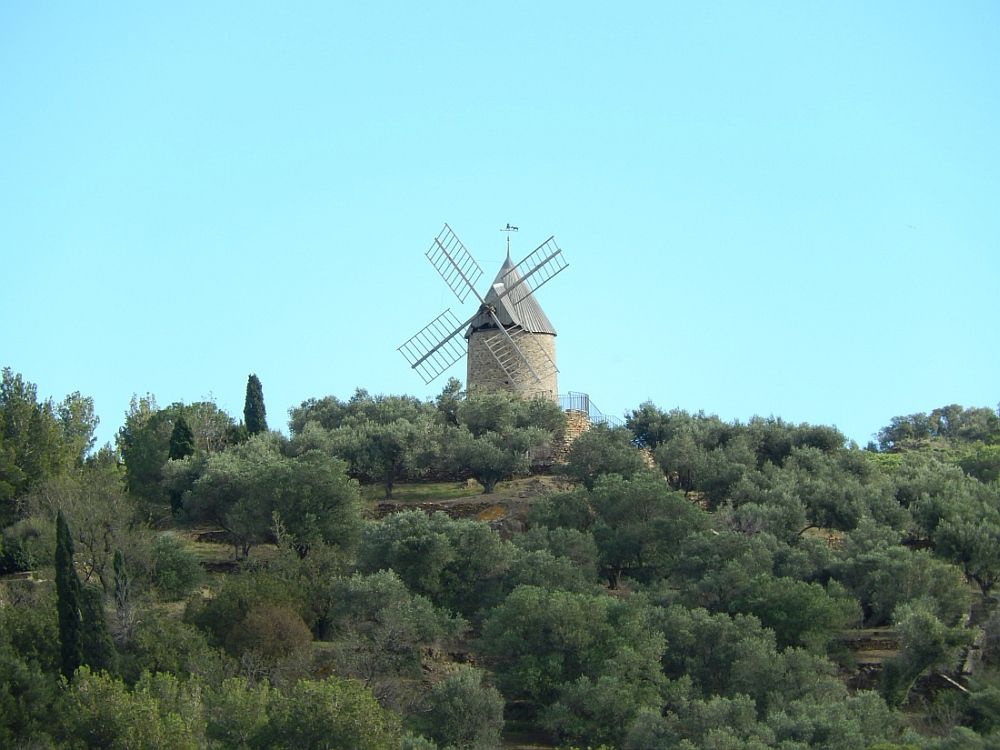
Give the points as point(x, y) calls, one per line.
point(509, 351)
point(538, 268)
point(436, 346)
point(515, 345)
point(454, 263)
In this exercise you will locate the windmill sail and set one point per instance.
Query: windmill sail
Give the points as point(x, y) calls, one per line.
point(511, 352)
point(538, 268)
point(454, 264)
point(516, 335)
point(436, 346)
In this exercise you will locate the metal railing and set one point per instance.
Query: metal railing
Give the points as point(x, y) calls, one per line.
point(574, 401)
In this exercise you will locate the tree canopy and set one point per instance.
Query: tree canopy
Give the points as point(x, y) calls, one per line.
point(683, 582)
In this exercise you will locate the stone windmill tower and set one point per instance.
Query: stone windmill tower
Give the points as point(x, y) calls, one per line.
point(510, 340)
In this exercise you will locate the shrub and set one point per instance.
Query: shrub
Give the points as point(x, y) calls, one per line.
point(271, 631)
point(461, 712)
point(175, 570)
point(26, 545)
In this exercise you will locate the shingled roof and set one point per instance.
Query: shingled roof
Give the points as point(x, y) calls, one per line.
point(520, 307)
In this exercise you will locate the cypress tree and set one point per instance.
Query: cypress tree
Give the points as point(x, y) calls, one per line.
point(124, 609)
point(181, 440)
point(68, 601)
point(95, 638)
point(181, 445)
point(254, 413)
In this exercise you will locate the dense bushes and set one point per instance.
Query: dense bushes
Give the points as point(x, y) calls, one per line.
point(694, 603)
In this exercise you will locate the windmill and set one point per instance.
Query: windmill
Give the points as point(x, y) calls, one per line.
point(510, 341)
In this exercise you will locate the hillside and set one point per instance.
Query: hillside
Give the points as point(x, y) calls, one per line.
point(678, 582)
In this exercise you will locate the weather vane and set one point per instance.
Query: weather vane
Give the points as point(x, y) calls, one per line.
point(508, 229)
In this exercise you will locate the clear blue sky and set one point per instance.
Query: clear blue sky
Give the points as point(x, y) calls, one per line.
point(768, 208)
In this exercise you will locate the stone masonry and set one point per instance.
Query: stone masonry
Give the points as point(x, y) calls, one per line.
point(577, 423)
point(484, 372)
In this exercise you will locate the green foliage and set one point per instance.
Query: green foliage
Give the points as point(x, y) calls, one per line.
point(331, 413)
point(68, 604)
point(78, 421)
point(541, 639)
point(883, 576)
point(144, 440)
point(239, 596)
point(951, 422)
point(38, 439)
point(103, 517)
point(983, 464)
point(418, 547)
point(331, 713)
point(175, 570)
point(989, 647)
point(457, 564)
point(651, 427)
point(971, 538)
point(500, 412)
point(417, 742)
point(29, 624)
point(576, 546)
point(927, 643)
point(181, 446)
point(859, 720)
point(722, 722)
point(491, 457)
point(463, 713)
point(799, 613)
point(26, 545)
point(566, 510)
point(692, 466)
point(241, 488)
point(181, 440)
point(254, 412)
point(833, 498)
point(382, 627)
point(639, 525)
point(543, 569)
point(27, 699)
point(495, 435)
point(316, 501)
point(711, 568)
point(159, 712)
point(707, 648)
point(179, 476)
point(160, 643)
point(162, 711)
point(774, 439)
point(385, 452)
point(603, 450)
point(144, 443)
point(83, 630)
point(237, 712)
point(642, 666)
point(703, 454)
point(486, 435)
point(29, 666)
point(983, 707)
point(270, 632)
point(598, 710)
point(448, 401)
point(95, 638)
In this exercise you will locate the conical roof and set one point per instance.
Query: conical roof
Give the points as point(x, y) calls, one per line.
point(520, 307)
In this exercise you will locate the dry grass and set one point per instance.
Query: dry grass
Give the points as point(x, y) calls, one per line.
point(421, 492)
point(215, 552)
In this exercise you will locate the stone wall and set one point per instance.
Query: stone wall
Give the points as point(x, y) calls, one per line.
point(577, 423)
point(538, 348)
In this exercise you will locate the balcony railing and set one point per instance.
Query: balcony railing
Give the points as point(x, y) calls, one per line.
point(574, 401)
